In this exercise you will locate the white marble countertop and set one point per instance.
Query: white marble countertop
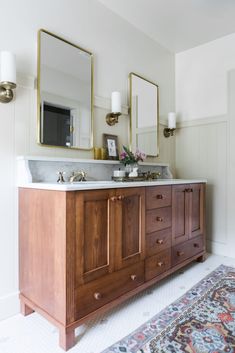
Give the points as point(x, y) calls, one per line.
point(94, 185)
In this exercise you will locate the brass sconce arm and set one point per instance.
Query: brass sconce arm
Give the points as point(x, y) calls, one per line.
point(112, 118)
point(6, 91)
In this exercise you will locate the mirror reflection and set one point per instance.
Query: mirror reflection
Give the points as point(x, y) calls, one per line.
point(144, 115)
point(65, 93)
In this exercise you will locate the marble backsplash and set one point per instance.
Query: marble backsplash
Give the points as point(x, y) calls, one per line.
point(44, 169)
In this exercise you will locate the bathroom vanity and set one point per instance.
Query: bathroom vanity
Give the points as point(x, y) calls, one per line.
point(86, 248)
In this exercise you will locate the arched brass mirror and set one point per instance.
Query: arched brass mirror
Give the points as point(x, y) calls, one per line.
point(144, 115)
point(65, 93)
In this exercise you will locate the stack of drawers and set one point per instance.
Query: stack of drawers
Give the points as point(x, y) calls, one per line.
point(158, 231)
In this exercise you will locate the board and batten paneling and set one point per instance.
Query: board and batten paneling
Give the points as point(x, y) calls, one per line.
point(201, 152)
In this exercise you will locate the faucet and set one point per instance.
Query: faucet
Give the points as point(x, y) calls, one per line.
point(78, 176)
point(60, 177)
point(152, 175)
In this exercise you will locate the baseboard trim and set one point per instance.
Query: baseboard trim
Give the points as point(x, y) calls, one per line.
point(9, 305)
point(219, 249)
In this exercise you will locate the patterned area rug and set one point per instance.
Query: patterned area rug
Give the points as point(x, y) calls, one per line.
point(201, 321)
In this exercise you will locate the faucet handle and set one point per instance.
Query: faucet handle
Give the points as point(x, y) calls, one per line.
point(83, 175)
point(60, 177)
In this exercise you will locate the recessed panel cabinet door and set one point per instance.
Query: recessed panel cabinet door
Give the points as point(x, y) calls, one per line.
point(196, 216)
point(180, 213)
point(94, 234)
point(129, 226)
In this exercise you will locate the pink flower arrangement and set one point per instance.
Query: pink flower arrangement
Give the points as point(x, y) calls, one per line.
point(128, 157)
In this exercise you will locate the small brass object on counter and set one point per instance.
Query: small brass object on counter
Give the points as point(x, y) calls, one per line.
point(97, 153)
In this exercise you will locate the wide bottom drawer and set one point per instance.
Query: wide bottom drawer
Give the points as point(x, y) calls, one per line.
point(95, 294)
point(185, 250)
point(157, 264)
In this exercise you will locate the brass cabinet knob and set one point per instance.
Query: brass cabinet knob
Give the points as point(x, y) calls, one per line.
point(159, 219)
point(180, 253)
point(120, 197)
point(159, 241)
point(196, 245)
point(160, 264)
point(133, 277)
point(97, 296)
point(159, 197)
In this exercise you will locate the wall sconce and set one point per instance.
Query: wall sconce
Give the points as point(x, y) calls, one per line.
point(7, 76)
point(112, 118)
point(169, 131)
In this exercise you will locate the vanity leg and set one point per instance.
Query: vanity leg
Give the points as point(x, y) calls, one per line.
point(67, 338)
point(202, 258)
point(25, 309)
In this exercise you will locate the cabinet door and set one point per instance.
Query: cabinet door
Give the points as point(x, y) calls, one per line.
point(130, 226)
point(196, 210)
point(180, 213)
point(94, 234)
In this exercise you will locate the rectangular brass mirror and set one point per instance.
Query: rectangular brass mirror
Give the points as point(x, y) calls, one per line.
point(144, 115)
point(65, 93)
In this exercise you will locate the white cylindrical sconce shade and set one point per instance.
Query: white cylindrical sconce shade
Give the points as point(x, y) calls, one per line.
point(116, 102)
point(8, 67)
point(171, 120)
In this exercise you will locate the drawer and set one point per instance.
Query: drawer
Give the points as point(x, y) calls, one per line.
point(95, 294)
point(157, 219)
point(185, 250)
point(158, 241)
point(158, 196)
point(157, 264)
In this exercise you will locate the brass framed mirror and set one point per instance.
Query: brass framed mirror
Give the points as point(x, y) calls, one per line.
point(65, 93)
point(144, 115)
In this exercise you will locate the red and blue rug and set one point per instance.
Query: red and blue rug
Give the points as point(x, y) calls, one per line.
point(201, 321)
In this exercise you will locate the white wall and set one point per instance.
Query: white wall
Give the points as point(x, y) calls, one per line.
point(205, 96)
point(118, 49)
point(201, 79)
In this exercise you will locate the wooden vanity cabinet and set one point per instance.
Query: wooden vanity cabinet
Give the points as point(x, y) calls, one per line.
point(83, 252)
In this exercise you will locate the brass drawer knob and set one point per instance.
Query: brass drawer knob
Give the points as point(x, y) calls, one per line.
point(159, 197)
point(133, 277)
point(159, 241)
point(160, 264)
point(159, 219)
point(97, 296)
point(196, 245)
point(120, 197)
point(180, 253)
